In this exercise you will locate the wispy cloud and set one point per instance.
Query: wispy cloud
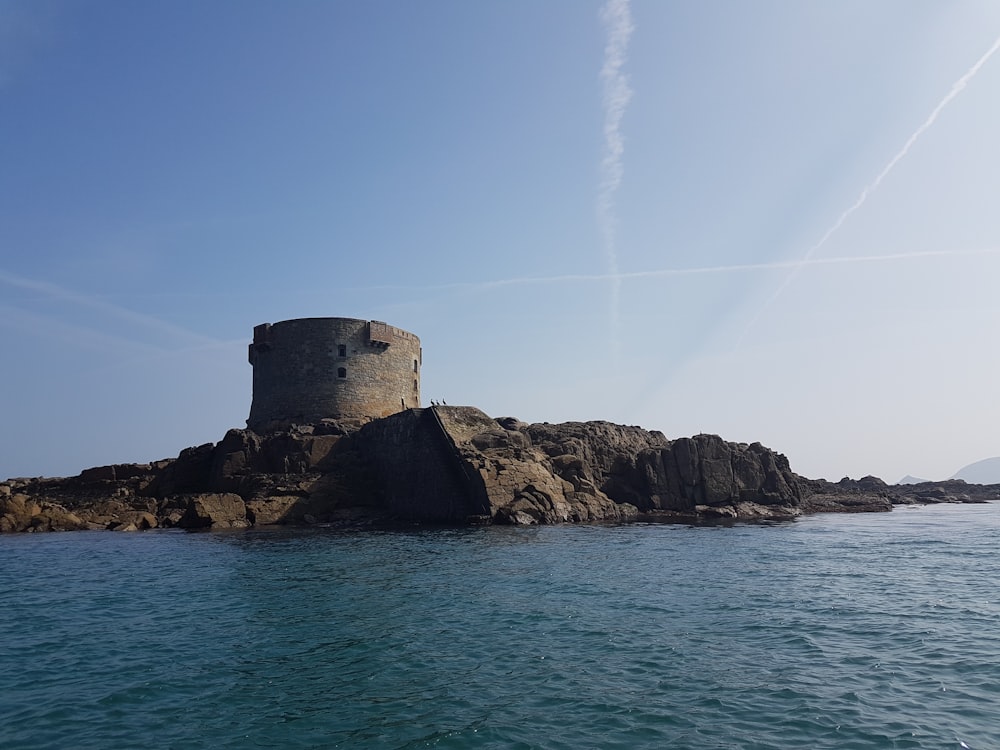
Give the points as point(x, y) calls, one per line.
point(617, 19)
point(618, 277)
point(154, 328)
point(801, 263)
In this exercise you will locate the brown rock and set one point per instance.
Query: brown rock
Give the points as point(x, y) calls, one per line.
point(216, 511)
point(272, 510)
point(98, 474)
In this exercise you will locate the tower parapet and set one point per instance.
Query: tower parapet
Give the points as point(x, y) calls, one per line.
point(309, 369)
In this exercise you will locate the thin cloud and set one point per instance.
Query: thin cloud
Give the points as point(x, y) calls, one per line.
point(151, 324)
point(619, 277)
point(955, 90)
point(68, 333)
point(617, 19)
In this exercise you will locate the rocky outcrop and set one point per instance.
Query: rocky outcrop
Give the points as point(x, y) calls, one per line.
point(452, 465)
point(871, 494)
point(701, 475)
point(215, 511)
point(20, 511)
point(505, 471)
point(458, 465)
point(948, 491)
point(866, 495)
point(519, 481)
point(419, 472)
point(299, 476)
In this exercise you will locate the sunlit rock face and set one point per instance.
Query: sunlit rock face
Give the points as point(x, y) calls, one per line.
point(452, 465)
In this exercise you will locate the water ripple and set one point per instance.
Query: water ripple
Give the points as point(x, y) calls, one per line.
point(830, 632)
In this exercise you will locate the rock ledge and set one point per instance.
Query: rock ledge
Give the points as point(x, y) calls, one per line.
point(448, 465)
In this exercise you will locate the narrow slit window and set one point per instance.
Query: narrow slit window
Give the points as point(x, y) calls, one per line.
point(341, 372)
point(414, 385)
point(414, 365)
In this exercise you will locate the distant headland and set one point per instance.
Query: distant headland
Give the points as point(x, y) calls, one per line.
point(337, 435)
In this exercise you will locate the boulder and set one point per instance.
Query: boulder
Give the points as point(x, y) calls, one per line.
point(189, 473)
point(21, 512)
point(273, 509)
point(98, 474)
point(137, 521)
point(216, 511)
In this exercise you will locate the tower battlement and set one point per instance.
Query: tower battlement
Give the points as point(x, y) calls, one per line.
point(309, 369)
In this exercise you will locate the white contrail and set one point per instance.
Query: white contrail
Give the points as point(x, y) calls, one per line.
point(956, 88)
point(617, 19)
point(619, 277)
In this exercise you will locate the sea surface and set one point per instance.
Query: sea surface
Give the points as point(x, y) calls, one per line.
point(833, 631)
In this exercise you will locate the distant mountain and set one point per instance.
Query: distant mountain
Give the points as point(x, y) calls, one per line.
point(908, 479)
point(986, 471)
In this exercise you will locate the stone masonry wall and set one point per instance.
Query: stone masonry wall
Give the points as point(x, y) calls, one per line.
point(310, 369)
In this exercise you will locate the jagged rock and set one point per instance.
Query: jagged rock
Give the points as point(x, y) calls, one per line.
point(644, 469)
point(511, 423)
point(98, 474)
point(453, 465)
point(867, 483)
point(948, 491)
point(14, 515)
point(20, 512)
point(602, 446)
point(189, 472)
point(243, 454)
point(419, 467)
point(113, 473)
point(171, 510)
point(748, 511)
point(445, 464)
point(217, 511)
point(236, 456)
point(274, 509)
point(137, 521)
point(872, 494)
point(846, 496)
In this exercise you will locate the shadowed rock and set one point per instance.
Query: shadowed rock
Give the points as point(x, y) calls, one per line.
point(453, 465)
point(215, 511)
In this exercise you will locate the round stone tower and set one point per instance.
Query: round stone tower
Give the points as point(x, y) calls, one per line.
point(310, 369)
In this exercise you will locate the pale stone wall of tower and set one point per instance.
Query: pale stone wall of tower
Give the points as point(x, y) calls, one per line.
point(309, 369)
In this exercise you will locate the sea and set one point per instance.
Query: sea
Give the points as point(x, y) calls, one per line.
point(831, 631)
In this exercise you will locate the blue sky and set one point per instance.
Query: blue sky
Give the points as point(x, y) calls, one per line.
point(776, 221)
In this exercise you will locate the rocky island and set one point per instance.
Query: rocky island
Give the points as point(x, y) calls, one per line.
point(337, 436)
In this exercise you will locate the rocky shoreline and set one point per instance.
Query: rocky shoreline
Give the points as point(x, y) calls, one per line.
point(450, 465)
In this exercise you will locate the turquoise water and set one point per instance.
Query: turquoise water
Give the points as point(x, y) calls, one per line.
point(836, 631)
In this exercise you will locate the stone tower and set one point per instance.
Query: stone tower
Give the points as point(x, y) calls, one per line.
point(309, 369)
